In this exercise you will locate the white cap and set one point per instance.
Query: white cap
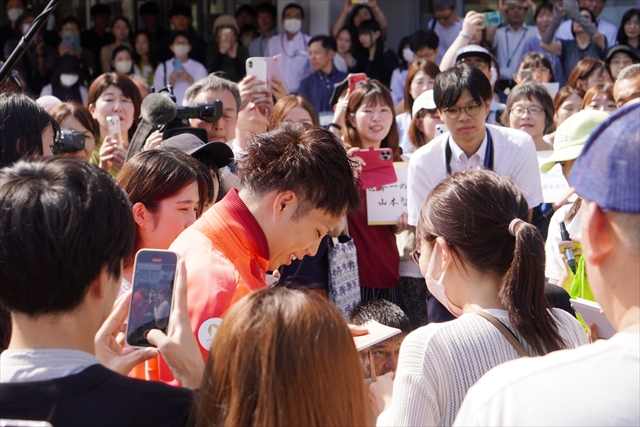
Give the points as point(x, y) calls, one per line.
point(425, 100)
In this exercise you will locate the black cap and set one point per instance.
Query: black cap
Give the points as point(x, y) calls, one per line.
point(621, 48)
point(190, 144)
point(337, 90)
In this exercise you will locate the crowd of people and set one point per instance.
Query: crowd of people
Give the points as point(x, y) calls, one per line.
point(260, 193)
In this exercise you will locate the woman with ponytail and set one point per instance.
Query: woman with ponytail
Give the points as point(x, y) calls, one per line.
point(485, 264)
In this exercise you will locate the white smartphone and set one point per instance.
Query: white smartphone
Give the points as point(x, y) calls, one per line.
point(115, 131)
point(590, 313)
point(154, 276)
point(440, 129)
point(258, 67)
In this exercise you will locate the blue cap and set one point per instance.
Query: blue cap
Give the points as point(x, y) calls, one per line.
point(608, 170)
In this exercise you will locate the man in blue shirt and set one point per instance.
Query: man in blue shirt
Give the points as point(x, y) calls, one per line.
point(318, 87)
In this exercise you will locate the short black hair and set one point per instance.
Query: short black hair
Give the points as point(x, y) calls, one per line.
point(423, 38)
point(246, 8)
point(293, 6)
point(67, 19)
point(149, 8)
point(450, 84)
point(267, 7)
point(177, 34)
point(62, 220)
point(328, 42)
point(180, 10)
point(100, 9)
point(382, 311)
point(544, 6)
point(439, 5)
point(308, 160)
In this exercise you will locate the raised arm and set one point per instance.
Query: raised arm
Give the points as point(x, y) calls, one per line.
point(546, 42)
point(379, 16)
point(589, 27)
point(342, 18)
point(472, 23)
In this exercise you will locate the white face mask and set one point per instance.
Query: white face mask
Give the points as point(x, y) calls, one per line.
point(14, 14)
point(494, 76)
point(292, 25)
point(123, 66)
point(408, 55)
point(180, 50)
point(68, 80)
point(25, 28)
point(436, 287)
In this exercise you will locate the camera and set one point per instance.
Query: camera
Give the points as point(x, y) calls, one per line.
point(68, 141)
point(209, 111)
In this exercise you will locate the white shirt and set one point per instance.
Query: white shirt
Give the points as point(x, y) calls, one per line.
point(17, 366)
point(295, 55)
point(48, 90)
point(403, 122)
point(340, 63)
point(605, 28)
point(514, 156)
point(195, 69)
point(594, 385)
point(398, 80)
point(554, 266)
point(439, 362)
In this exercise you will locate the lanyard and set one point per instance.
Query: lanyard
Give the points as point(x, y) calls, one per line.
point(488, 154)
point(510, 55)
point(295, 53)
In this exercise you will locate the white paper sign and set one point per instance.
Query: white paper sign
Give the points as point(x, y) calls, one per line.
point(385, 207)
point(554, 185)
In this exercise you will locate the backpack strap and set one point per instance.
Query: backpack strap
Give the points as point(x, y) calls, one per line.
point(506, 332)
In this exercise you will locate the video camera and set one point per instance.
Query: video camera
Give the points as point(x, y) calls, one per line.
point(68, 141)
point(209, 111)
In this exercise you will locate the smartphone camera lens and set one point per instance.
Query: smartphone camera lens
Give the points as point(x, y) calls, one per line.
point(250, 64)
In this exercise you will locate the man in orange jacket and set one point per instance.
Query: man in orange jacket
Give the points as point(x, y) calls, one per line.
point(297, 184)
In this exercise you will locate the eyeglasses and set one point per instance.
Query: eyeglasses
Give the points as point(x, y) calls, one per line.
point(415, 256)
point(533, 111)
point(454, 113)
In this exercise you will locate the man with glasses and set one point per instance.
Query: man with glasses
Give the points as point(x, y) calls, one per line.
point(510, 39)
point(462, 96)
point(446, 24)
point(605, 28)
point(478, 57)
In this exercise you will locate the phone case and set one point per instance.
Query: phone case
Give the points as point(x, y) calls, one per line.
point(115, 131)
point(356, 80)
point(177, 65)
point(378, 169)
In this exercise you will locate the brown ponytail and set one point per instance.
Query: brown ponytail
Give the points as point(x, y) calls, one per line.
point(522, 292)
point(472, 211)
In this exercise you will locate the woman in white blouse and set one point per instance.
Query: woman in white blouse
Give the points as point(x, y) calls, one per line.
point(484, 263)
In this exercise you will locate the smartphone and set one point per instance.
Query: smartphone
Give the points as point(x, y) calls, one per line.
point(359, 1)
point(154, 276)
point(177, 65)
point(115, 131)
point(524, 74)
point(258, 67)
point(356, 80)
point(72, 40)
point(440, 129)
point(491, 19)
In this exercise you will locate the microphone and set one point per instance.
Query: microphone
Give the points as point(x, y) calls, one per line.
point(156, 109)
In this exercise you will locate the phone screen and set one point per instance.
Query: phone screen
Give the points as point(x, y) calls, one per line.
point(491, 19)
point(152, 294)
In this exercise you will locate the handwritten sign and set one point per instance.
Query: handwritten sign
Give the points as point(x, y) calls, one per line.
point(384, 207)
point(554, 185)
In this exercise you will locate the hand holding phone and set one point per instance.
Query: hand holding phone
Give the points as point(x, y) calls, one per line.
point(154, 275)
